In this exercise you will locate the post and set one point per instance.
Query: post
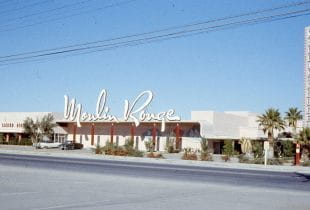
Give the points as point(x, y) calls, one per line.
point(297, 154)
point(154, 135)
point(266, 148)
point(19, 138)
point(92, 132)
point(111, 133)
point(74, 132)
point(177, 136)
point(132, 132)
point(7, 138)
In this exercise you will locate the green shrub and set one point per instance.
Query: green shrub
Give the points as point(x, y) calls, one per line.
point(137, 153)
point(13, 142)
point(98, 150)
point(154, 155)
point(129, 143)
point(205, 156)
point(258, 161)
point(277, 147)
point(204, 145)
point(275, 161)
point(228, 149)
point(189, 154)
point(226, 158)
point(288, 148)
point(306, 163)
point(113, 149)
point(170, 145)
point(25, 141)
point(149, 145)
point(243, 159)
point(257, 148)
point(109, 148)
point(131, 151)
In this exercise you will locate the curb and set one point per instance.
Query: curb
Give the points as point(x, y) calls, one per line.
point(242, 166)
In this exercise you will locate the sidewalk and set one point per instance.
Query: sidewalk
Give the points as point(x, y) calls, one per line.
point(170, 159)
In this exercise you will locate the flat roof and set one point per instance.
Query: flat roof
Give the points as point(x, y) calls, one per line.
point(128, 122)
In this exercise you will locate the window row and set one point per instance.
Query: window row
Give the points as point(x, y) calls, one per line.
point(11, 125)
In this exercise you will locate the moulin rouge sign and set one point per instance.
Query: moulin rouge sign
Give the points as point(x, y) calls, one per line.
point(132, 112)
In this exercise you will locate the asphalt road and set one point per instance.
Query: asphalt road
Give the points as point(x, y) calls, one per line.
point(37, 182)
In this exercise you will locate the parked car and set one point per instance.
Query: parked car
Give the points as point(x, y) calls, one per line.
point(47, 144)
point(69, 145)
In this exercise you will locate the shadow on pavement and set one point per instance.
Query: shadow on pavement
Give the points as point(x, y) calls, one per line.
point(306, 176)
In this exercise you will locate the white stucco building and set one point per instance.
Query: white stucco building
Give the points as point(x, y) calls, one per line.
point(215, 126)
point(228, 125)
point(11, 124)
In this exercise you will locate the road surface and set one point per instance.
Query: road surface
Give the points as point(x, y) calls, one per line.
point(42, 182)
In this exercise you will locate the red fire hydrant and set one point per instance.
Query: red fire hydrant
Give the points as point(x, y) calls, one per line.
point(297, 154)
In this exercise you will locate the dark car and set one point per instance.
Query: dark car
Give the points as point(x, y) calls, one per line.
point(69, 145)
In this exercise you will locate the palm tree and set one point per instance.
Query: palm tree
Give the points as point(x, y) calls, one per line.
point(270, 121)
point(304, 136)
point(292, 116)
point(304, 140)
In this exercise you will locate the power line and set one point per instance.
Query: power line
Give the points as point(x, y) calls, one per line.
point(45, 12)
point(166, 29)
point(151, 41)
point(69, 16)
point(176, 34)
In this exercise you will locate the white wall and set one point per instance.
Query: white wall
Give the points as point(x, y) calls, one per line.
point(17, 119)
point(228, 125)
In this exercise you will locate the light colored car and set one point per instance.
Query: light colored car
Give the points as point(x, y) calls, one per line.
point(47, 145)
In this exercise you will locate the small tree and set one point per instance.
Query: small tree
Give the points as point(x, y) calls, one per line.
point(204, 145)
point(288, 148)
point(204, 150)
point(32, 129)
point(257, 148)
point(228, 148)
point(149, 145)
point(39, 128)
point(170, 144)
point(46, 125)
point(304, 140)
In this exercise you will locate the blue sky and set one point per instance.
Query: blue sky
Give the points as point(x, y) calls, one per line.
point(247, 68)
